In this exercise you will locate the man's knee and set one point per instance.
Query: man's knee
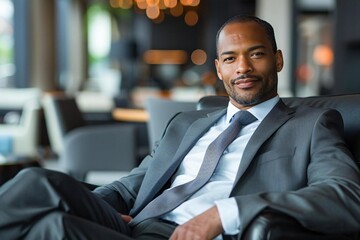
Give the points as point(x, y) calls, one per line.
point(32, 172)
point(37, 173)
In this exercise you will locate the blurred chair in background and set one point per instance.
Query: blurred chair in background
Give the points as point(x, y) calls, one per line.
point(83, 148)
point(160, 112)
point(96, 107)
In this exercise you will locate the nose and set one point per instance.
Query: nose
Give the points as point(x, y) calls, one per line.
point(244, 65)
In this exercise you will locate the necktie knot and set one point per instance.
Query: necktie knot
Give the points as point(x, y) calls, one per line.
point(244, 117)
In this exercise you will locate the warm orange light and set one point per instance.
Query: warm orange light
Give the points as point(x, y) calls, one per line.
point(191, 18)
point(152, 12)
point(195, 3)
point(323, 55)
point(187, 2)
point(177, 10)
point(170, 3)
point(141, 4)
point(153, 8)
point(198, 57)
point(152, 2)
point(304, 73)
point(165, 57)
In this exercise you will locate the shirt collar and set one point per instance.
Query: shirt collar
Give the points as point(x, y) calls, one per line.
point(259, 111)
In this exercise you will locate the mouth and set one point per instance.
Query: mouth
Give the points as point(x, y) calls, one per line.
point(245, 83)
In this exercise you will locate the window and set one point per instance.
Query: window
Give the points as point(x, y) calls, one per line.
point(104, 74)
point(7, 67)
point(314, 62)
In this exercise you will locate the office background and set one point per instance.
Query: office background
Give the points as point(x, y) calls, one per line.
point(111, 56)
point(114, 46)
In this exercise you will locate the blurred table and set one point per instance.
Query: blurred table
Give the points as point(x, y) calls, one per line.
point(130, 115)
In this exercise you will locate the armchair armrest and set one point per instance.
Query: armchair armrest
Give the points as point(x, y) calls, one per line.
point(271, 225)
point(99, 148)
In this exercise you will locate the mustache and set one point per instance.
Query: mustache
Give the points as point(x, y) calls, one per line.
point(244, 76)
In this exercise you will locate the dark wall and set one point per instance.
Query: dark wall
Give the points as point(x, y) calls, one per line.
point(347, 47)
point(173, 33)
point(216, 13)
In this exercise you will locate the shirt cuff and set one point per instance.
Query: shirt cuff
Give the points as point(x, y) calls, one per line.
point(229, 215)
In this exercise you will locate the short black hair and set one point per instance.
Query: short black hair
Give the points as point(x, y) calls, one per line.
point(247, 18)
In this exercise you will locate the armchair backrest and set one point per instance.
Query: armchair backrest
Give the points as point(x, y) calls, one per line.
point(160, 112)
point(347, 104)
point(68, 113)
point(62, 115)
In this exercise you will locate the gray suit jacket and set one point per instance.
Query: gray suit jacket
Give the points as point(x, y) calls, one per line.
point(296, 162)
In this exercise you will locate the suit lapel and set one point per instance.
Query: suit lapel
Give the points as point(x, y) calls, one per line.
point(276, 117)
point(194, 132)
point(153, 182)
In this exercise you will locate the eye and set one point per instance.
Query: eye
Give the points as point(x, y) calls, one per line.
point(228, 59)
point(257, 54)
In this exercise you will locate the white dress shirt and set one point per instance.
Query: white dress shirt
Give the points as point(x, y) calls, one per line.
point(218, 189)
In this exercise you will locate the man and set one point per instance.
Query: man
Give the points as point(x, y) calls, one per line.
point(289, 160)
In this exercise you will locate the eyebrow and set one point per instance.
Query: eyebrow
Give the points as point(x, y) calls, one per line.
point(256, 47)
point(249, 50)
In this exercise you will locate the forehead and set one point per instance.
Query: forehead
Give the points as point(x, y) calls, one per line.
point(243, 33)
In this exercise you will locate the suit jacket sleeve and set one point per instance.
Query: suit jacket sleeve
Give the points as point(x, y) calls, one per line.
point(329, 200)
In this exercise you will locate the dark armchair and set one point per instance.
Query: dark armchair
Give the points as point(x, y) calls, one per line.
point(82, 147)
point(273, 225)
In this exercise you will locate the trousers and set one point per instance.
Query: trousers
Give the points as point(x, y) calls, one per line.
point(45, 204)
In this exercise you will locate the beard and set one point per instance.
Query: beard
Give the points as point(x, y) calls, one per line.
point(249, 98)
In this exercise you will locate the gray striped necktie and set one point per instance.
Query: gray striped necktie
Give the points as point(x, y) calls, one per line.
point(173, 197)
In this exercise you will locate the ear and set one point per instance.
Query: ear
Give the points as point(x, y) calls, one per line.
point(279, 60)
point(218, 69)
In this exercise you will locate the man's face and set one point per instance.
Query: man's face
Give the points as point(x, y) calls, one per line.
point(247, 64)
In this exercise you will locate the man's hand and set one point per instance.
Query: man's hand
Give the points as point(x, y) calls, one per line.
point(126, 218)
point(205, 226)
